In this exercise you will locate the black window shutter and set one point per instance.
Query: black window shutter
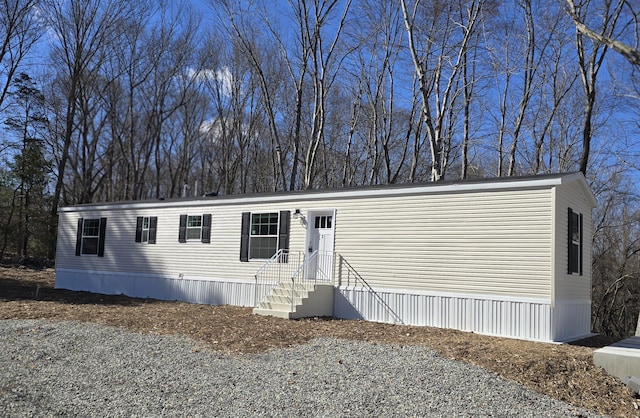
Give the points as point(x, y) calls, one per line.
point(244, 236)
point(569, 241)
point(103, 229)
point(581, 251)
point(206, 228)
point(283, 234)
point(153, 226)
point(79, 237)
point(182, 232)
point(139, 229)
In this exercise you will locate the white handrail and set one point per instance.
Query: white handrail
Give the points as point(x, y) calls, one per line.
point(273, 271)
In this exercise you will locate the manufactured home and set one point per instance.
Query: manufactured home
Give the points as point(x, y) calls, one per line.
point(503, 256)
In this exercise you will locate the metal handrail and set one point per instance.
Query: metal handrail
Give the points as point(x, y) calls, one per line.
point(358, 278)
point(270, 261)
point(303, 269)
point(264, 267)
point(274, 271)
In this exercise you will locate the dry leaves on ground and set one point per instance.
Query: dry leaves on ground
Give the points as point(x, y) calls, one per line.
point(564, 372)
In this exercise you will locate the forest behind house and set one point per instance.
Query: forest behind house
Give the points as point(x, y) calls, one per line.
point(114, 100)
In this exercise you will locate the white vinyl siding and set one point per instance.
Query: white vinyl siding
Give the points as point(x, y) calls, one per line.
point(491, 243)
point(484, 242)
point(572, 286)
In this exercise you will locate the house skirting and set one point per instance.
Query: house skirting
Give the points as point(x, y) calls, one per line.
point(188, 289)
point(529, 319)
point(522, 318)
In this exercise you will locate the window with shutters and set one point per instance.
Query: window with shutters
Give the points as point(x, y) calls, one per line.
point(195, 228)
point(90, 236)
point(146, 227)
point(263, 234)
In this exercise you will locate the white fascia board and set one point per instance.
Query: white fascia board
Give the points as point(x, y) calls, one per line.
point(333, 194)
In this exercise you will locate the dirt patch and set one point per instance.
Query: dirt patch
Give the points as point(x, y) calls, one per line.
point(564, 372)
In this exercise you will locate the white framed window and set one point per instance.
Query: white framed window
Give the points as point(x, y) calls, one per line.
point(90, 236)
point(194, 227)
point(263, 240)
point(145, 229)
point(262, 234)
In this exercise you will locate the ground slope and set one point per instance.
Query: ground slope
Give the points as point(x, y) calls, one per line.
point(564, 372)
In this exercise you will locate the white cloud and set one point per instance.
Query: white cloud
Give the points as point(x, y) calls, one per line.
point(222, 77)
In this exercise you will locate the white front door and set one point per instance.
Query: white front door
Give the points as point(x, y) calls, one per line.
point(320, 239)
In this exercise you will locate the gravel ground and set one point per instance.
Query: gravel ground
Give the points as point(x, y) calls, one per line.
point(78, 369)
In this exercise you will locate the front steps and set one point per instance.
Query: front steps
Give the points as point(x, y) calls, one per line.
point(308, 300)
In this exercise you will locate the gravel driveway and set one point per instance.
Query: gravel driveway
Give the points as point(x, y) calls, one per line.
point(79, 369)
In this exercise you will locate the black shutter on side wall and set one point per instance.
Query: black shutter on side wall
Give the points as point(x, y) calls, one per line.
point(569, 250)
point(206, 228)
point(153, 226)
point(79, 237)
point(103, 230)
point(283, 234)
point(139, 229)
point(182, 232)
point(244, 236)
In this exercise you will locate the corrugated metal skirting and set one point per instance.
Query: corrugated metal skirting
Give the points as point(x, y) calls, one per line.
point(531, 320)
point(186, 289)
point(517, 319)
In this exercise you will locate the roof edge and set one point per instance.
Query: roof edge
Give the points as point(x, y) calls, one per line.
point(496, 183)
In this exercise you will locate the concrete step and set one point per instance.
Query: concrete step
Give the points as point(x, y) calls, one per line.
point(621, 359)
point(289, 285)
point(285, 299)
point(275, 306)
point(286, 293)
point(272, 312)
point(305, 301)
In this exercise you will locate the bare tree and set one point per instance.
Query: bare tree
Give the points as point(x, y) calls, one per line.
point(82, 31)
point(437, 51)
point(20, 29)
point(265, 62)
point(591, 54)
point(629, 52)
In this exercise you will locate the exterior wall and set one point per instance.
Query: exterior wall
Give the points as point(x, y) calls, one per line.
point(482, 242)
point(489, 242)
point(571, 292)
point(491, 261)
point(572, 286)
point(219, 260)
